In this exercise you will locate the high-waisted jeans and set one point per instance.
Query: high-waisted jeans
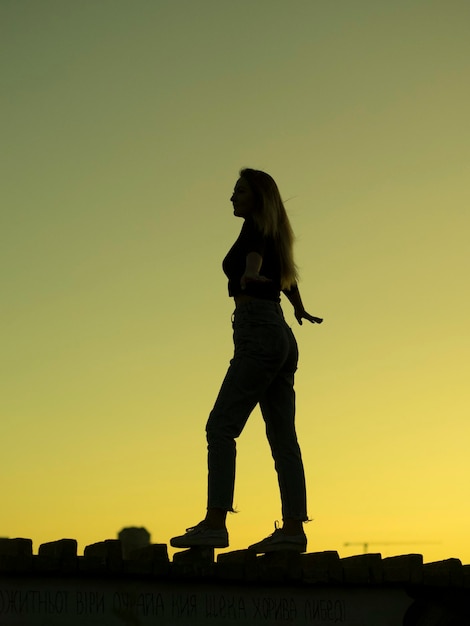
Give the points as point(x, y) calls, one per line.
point(261, 371)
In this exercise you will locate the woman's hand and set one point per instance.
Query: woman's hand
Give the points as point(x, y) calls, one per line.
point(253, 277)
point(301, 314)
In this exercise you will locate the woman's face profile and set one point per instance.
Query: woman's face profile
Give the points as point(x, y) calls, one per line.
point(243, 199)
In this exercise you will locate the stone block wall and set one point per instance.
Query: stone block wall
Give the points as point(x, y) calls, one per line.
point(113, 583)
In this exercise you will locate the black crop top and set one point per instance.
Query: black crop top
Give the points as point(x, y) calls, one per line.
point(251, 239)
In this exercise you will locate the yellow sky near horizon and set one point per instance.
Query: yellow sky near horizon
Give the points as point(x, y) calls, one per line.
point(124, 126)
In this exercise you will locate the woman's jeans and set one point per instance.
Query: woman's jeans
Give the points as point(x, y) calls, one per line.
point(261, 371)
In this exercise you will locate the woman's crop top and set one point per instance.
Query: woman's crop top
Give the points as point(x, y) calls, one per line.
point(251, 239)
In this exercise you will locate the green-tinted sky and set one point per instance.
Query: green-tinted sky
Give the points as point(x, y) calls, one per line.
point(124, 125)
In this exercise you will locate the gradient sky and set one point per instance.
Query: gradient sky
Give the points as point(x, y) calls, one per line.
point(124, 125)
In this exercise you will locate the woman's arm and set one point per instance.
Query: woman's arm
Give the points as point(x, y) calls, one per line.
point(293, 295)
point(254, 261)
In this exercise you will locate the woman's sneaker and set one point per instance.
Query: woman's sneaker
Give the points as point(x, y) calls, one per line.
point(280, 541)
point(201, 535)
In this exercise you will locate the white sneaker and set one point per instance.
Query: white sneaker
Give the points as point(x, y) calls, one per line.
point(280, 541)
point(201, 535)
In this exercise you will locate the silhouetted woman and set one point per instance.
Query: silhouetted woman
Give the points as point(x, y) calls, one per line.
point(259, 266)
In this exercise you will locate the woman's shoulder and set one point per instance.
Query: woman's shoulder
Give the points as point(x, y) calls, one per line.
point(253, 228)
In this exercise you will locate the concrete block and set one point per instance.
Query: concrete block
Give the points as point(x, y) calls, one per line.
point(322, 567)
point(284, 565)
point(57, 556)
point(237, 556)
point(16, 547)
point(362, 569)
point(406, 568)
point(16, 555)
point(447, 573)
point(194, 555)
point(63, 548)
point(466, 576)
point(103, 556)
point(193, 562)
point(154, 552)
point(152, 559)
point(237, 565)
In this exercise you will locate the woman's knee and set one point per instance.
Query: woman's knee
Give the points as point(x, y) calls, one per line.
point(217, 434)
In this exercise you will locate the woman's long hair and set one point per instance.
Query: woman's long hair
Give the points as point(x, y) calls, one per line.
point(271, 218)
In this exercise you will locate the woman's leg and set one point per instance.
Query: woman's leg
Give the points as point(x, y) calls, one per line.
point(278, 409)
point(243, 386)
point(261, 350)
